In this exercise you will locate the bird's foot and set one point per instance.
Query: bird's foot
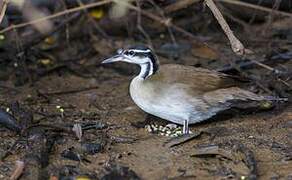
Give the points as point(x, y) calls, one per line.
point(186, 127)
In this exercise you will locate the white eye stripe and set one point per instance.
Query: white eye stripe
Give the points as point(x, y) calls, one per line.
point(140, 51)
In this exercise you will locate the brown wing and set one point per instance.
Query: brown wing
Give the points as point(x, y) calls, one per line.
point(233, 94)
point(197, 79)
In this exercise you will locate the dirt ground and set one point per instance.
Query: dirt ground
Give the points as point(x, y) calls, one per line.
point(71, 118)
point(243, 146)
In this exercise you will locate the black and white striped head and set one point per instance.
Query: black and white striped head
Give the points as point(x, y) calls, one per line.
point(140, 55)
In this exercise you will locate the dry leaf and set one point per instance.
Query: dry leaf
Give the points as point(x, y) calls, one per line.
point(204, 52)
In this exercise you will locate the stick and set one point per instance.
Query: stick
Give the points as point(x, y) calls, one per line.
point(265, 9)
point(236, 45)
point(164, 21)
point(70, 91)
point(179, 5)
point(80, 8)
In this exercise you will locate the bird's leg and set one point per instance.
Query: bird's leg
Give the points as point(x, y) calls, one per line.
point(186, 127)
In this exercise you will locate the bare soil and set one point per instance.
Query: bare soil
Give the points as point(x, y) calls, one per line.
point(257, 144)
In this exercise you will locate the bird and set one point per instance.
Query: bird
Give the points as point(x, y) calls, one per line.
point(178, 93)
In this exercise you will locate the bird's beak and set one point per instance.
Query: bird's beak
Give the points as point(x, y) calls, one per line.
point(115, 58)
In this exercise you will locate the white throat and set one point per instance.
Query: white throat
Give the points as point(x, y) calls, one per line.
point(146, 70)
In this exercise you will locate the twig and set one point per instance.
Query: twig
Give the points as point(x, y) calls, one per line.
point(236, 45)
point(261, 8)
point(226, 12)
point(69, 91)
point(179, 5)
point(140, 27)
point(3, 9)
point(268, 26)
point(93, 22)
point(164, 21)
point(41, 37)
point(162, 14)
point(91, 5)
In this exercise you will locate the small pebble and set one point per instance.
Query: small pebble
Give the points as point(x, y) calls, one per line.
point(170, 130)
point(171, 126)
point(148, 128)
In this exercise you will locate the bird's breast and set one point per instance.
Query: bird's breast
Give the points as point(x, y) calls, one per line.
point(143, 95)
point(165, 101)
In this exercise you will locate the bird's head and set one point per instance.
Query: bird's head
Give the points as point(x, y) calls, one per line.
point(135, 55)
point(141, 55)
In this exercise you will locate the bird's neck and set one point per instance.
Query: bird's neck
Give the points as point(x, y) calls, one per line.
point(149, 68)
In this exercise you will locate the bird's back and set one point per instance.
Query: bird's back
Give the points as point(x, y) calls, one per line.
point(198, 80)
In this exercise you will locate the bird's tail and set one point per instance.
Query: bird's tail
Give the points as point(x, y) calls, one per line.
point(273, 98)
point(271, 101)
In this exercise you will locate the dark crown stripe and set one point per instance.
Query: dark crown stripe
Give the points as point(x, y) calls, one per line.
point(147, 72)
point(154, 62)
point(150, 56)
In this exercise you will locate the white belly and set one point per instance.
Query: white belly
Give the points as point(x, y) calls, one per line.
point(171, 104)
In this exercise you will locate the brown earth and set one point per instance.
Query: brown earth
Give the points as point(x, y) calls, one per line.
point(266, 134)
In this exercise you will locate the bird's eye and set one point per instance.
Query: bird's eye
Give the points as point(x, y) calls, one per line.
point(130, 53)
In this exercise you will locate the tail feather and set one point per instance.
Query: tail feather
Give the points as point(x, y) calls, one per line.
point(273, 98)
